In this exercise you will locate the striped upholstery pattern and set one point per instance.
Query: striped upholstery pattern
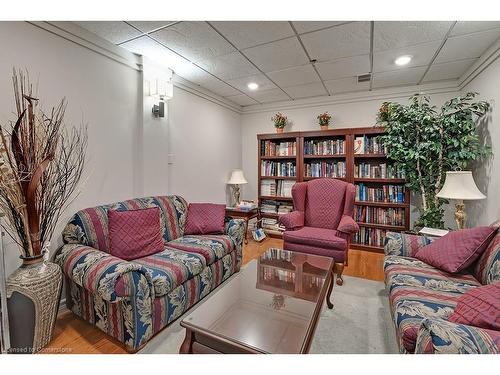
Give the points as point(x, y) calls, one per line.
point(90, 226)
point(132, 300)
point(487, 269)
point(403, 244)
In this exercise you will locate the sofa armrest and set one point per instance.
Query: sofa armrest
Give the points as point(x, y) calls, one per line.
point(102, 274)
point(292, 220)
point(347, 225)
point(403, 244)
point(442, 337)
point(235, 229)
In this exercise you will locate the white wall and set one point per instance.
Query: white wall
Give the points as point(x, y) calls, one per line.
point(355, 112)
point(205, 143)
point(487, 175)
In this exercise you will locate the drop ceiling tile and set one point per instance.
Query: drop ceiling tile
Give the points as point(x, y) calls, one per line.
point(468, 27)
point(451, 70)
point(148, 26)
point(245, 34)
point(155, 51)
point(395, 34)
point(113, 31)
point(340, 41)
point(408, 76)
point(268, 96)
point(306, 91)
point(260, 79)
point(229, 66)
point(421, 54)
point(308, 26)
point(215, 85)
point(467, 46)
point(194, 40)
point(242, 100)
point(346, 67)
point(277, 55)
point(347, 84)
point(294, 76)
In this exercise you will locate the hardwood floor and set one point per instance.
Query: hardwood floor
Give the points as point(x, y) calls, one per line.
point(73, 335)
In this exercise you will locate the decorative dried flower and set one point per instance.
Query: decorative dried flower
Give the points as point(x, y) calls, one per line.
point(324, 118)
point(279, 120)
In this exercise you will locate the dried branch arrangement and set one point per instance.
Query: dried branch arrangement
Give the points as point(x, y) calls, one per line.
point(41, 163)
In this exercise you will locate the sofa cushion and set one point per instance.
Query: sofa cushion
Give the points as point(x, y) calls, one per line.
point(205, 218)
point(410, 305)
point(211, 247)
point(457, 250)
point(479, 307)
point(316, 237)
point(487, 268)
point(171, 267)
point(411, 272)
point(134, 233)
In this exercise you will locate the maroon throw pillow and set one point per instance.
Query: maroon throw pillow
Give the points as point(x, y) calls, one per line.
point(135, 233)
point(205, 218)
point(479, 307)
point(457, 250)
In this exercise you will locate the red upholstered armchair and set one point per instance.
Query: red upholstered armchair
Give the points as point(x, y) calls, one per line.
point(322, 222)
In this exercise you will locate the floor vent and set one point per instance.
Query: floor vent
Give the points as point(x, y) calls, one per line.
point(364, 78)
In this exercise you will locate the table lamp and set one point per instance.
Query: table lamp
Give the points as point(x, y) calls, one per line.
point(237, 179)
point(460, 186)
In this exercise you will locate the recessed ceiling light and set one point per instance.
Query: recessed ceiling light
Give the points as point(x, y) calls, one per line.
point(403, 60)
point(253, 86)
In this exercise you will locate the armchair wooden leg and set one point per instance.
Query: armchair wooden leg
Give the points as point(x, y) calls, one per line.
point(339, 268)
point(329, 292)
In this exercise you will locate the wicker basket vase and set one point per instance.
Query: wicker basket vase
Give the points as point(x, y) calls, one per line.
point(33, 292)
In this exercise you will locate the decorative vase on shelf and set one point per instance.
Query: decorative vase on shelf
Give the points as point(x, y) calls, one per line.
point(279, 130)
point(280, 121)
point(324, 120)
point(324, 127)
point(33, 292)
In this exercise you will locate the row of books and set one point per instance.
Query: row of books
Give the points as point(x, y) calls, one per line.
point(278, 169)
point(386, 193)
point(276, 188)
point(271, 224)
point(324, 147)
point(312, 282)
point(325, 169)
point(378, 215)
point(369, 145)
point(382, 170)
point(274, 207)
point(269, 274)
point(275, 254)
point(369, 236)
point(269, 148)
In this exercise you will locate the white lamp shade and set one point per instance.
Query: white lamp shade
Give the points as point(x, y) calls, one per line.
point(460, 185)
point(237, 178)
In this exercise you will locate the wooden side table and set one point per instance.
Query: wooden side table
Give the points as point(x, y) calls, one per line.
point(246, 215)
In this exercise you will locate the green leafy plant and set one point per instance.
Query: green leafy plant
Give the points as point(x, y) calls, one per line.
point(279, 120)
point(426, 142)
point(324, 119)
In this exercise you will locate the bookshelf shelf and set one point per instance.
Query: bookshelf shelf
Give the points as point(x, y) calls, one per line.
point(309, 178)
point(337, 155)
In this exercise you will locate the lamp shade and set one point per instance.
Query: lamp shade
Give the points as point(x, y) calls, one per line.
point(460, 185)
point(237, 178)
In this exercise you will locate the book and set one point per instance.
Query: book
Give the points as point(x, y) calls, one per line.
point(359, 145)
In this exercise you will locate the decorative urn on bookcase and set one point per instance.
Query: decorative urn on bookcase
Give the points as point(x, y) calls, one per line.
point(324, 120)
point(40, 166)
point(280, 121)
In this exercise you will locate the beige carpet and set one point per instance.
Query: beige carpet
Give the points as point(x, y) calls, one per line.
point(360, 323)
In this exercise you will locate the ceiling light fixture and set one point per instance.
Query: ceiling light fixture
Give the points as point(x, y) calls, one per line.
point(403, 60)
point(253, 86)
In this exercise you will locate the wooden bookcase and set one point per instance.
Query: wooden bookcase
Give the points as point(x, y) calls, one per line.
point(350, 160)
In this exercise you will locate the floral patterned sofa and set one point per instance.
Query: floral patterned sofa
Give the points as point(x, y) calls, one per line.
point(133, 300)
point(422, 298)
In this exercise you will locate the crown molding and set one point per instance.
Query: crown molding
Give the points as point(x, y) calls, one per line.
point(442, 87)
point(199, 91)
point(480, 65)
point(76, 34)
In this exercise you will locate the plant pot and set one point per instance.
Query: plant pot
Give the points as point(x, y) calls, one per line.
point(279, 130)
point(33, 292)
point(324, 127)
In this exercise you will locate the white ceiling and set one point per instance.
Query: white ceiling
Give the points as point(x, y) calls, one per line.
point(293, 60)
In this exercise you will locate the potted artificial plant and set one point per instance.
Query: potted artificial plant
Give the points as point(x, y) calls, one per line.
point(324, 120)
point(426, 142)
point(279, 120)
point(41, 163)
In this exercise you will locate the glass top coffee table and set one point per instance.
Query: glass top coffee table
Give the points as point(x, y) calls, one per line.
point(270, 306)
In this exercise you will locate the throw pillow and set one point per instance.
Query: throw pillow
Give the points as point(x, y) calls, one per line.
point(205, 218)
point(457, 250)
point(479, 307)
point(135, 233)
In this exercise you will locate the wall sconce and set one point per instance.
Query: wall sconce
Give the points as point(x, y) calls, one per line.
point(161, 90)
